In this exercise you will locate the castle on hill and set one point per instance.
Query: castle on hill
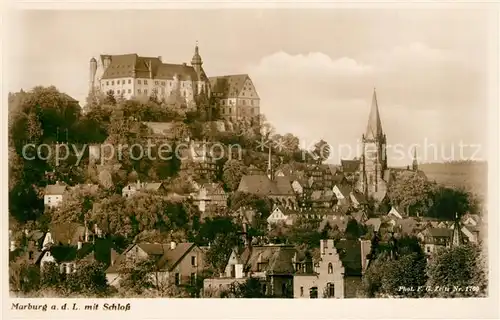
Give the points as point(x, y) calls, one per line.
point(133, 76)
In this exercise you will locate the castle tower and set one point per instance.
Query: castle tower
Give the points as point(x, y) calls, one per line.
point(93, 69)
point(196, 61)
point(374, 159)
point(414, 165)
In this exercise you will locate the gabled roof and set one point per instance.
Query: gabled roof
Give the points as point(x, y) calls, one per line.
point(166, 258)
point(56, 189)
point(229, 86)
point(345, 190)
point(262, 185)
point(67, 233)
point(278, 258)
point(440, 232)
point(374, 222)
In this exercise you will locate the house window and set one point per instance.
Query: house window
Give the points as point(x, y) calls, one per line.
point(156, 82)
point(145, 81)
point(193, 278)
point(31, 255)
point(145, 91)
point(229, 110)
point(138, 81)
point(177, 279)
point(330, 290)
point(129, 81)
point(163, 83)
point(313, 293)
point(264, 288)
point(301, 291)
point(428, 249)
point(193, 261)
point(330, 268)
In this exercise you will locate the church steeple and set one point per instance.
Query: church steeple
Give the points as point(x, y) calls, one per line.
point(456, 237)
point(374, 127)
point(415, 163)
point(196, 61)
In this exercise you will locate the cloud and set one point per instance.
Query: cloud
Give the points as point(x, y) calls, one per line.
point(315, 96)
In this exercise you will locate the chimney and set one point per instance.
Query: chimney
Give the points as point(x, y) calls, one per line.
point(172, 245)
point(12, 245)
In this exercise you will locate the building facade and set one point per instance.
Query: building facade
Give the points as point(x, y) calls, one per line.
point(236, 95)
point(131, 75)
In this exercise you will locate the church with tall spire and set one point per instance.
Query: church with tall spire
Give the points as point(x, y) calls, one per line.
point(374, 174)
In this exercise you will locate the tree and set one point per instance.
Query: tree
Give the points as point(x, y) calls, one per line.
point(110, 98)
point(412, 192)
point(24, 277)
point(232, 172)
point(138, 276)
point(460, 269)
point(89, 278)
point(78, 204)
point(447, 202)
point(251, 288)
point(354, 230)
point(321, 151)
point(407, 272)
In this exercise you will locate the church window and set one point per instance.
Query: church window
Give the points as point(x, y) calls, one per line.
point(330, 268)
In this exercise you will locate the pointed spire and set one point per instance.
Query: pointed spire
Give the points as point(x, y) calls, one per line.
point(456, 238)
point(196, 60)
point(415, 162)
point(374, 127)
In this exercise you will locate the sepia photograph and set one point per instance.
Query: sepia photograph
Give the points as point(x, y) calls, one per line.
point(248, 153)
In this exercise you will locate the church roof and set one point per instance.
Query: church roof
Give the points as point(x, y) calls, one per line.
point(374, 127)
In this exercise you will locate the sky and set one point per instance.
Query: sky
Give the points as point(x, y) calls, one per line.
point(314, 69)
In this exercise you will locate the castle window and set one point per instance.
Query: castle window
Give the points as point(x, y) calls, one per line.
point(162, 90)
point(129, 81)
point(163, 83)
point(123, 81)
point(330, 268)
point(139, 91)
point(145, 91)
point(129, 90)
point(145, 81)
point(156, 82)
point(243, 102)
point(138, 81)
point(112, 83)
point(301, 291)
point(223, 102)
point(118, 91)
point(107, 83)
